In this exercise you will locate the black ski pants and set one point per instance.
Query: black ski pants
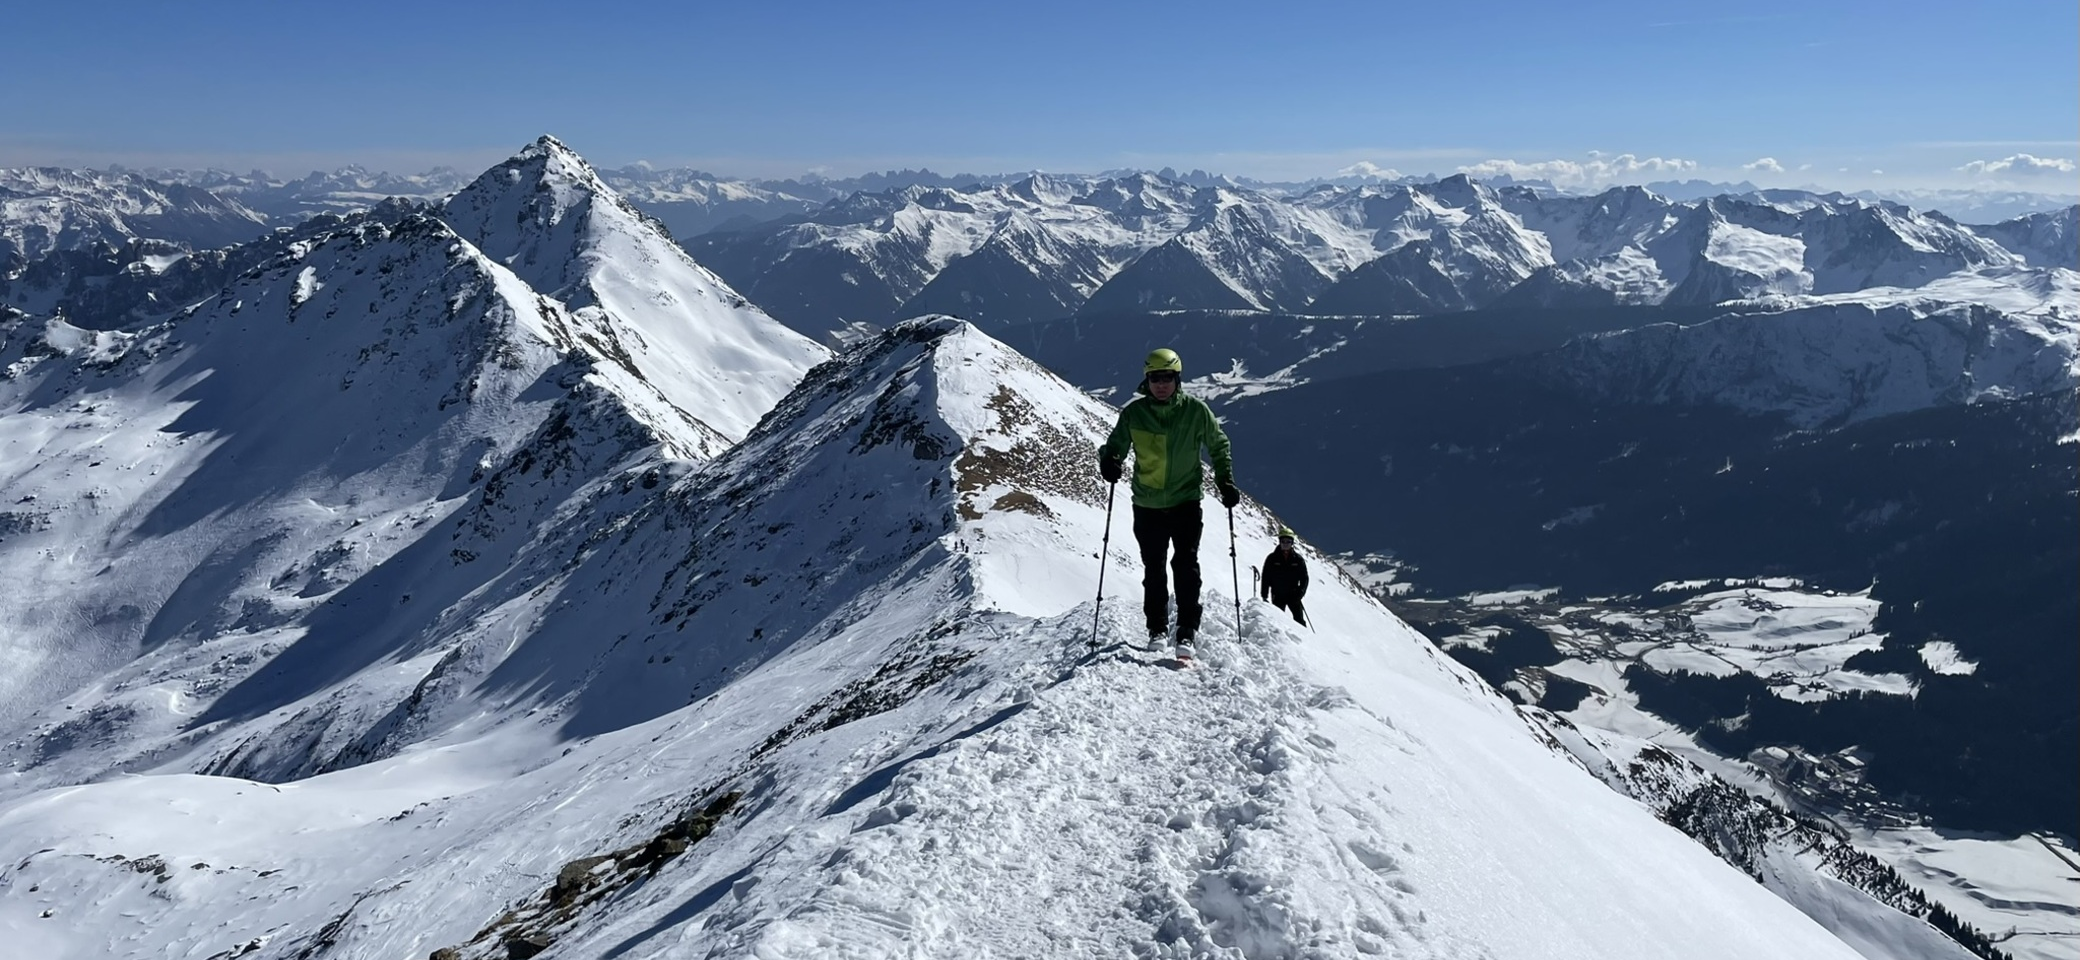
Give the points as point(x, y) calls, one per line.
point(1158, 530)
point(1290, 605)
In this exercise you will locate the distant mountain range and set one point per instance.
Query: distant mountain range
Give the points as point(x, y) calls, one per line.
point(1048, 246)
point(45, 210)
point(691, 202)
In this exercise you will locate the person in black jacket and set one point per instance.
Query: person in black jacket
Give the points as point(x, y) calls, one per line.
point(1285, 576)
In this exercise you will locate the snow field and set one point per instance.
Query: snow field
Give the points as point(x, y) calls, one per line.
point(1997, 884)
point(889, 589)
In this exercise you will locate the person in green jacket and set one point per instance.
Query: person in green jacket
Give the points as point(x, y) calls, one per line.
point(1165, 428)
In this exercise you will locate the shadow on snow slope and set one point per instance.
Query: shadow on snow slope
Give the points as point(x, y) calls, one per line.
point(878, 605)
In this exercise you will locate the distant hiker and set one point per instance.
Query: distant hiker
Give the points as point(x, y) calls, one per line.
point(1165, 428)
point(1285, 576)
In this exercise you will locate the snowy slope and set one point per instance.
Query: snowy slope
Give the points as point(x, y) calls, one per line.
point(147, 281)
point(1885, 245)
point(546, 215)
point(1802, 860)
point(186, 498)
point(2050, 239)
point(46, 209)
point(1023, 270)
point(1827, 360)
point(831, 695)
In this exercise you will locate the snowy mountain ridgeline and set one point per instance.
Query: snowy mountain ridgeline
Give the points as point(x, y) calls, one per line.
point(1052, 246)
point(362, 384)
point(911, 750)
point(828, 256)
point(347, 190)
point(46, 209)
point(487, 580)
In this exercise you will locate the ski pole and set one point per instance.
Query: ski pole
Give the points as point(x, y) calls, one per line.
point(1235, 573)
point(1104, 555)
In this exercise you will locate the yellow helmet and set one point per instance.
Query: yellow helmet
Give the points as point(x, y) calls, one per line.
point(1163, 358)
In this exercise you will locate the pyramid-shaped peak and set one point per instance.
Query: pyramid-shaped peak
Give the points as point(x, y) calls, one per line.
point(1459, 190)
point(968, 370)
point(546, 160)
point(548, 217)
point(547, 146)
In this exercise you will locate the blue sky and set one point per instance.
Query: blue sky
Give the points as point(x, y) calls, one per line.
point(1831, 92)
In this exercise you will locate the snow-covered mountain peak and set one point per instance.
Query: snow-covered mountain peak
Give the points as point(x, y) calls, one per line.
point(2048, 239)
point(546, 215)
point(1041, 188)
point(1140, 196)
point(528, 198)
point(217, 478)
point(1460, 191)
point(1878, 244)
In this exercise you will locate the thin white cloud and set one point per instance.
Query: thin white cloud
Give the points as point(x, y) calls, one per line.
point(2021, 166)
point(1366, 168)
point(1764, 165)
point(1993, 144)
point(1598, 171)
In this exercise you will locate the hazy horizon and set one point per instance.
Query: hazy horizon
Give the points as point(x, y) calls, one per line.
point(1849, 95)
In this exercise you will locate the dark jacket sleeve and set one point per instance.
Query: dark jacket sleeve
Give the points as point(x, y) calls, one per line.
point(1118, 442)
point(1217, 446)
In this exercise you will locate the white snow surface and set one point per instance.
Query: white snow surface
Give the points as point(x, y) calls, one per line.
point(1827, 360)
point(548, 217)
point(47, 209)
point(1998, 884)
point(869, 624)
point(1789, 859)
point(1943, 657)
point(1798, 640)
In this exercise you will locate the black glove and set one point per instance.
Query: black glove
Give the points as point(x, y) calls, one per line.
point(1229, 495)
point(1109, 469)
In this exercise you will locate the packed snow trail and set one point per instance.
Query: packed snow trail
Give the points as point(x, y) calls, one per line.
point(1104, 804)
point(1006, 838)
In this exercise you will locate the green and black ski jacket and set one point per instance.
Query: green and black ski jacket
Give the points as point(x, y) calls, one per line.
point(1165, 438)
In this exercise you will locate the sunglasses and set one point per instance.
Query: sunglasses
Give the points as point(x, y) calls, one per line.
point(1162, 376)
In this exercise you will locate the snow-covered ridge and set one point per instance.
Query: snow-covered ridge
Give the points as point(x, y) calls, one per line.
point(826, 255)
point(1454, 244)
point(547, 216)
point(322, 413)
point(1828, 360)
point(831, 691)
point(46, 209)
point(209, 480)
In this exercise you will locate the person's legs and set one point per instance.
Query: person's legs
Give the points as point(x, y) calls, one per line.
point(1152, 534)
point(1185, 527)
point(1299, 614)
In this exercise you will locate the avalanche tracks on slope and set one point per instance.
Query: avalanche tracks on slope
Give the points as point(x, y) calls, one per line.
point(1108, 808)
